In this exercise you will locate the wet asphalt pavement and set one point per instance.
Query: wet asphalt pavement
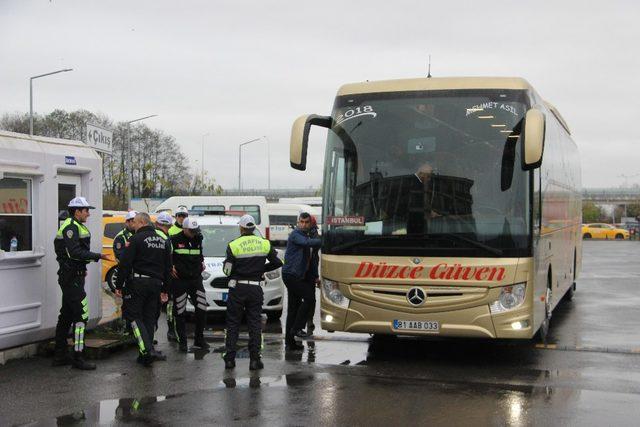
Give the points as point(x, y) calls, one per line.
point(587, 374)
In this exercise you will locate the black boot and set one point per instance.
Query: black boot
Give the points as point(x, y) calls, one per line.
point(182, 348)
point(229, 364)
point(293, 346)
point(145, 359)
point(201, 343)
point(78, 362)
point(61, 357)
point(302, 335)
point(256, 364)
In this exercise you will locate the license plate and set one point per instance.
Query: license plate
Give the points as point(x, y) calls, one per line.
point(225, 296)
point(416, 325)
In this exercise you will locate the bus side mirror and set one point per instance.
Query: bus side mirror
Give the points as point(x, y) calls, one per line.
point(300, 138)
point(534, 128)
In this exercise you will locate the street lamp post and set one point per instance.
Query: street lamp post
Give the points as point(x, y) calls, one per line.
point(128, 183)
point(268, 162)
point(202, 161)
point(31, 79)
point(240, 161)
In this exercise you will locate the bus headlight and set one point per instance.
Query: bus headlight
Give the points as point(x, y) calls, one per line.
point(331, 291)
point(511, 297)
point(205, 275)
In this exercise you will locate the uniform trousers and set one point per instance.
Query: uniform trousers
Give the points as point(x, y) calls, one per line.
point(244, 298)
point(140, 305)
point(75, 308)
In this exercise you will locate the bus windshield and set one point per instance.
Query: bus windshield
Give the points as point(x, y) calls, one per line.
point(429, 173)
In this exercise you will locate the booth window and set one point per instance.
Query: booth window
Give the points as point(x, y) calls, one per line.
point(16, 217)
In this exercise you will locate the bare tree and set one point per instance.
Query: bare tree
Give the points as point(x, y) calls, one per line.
point(153, 160)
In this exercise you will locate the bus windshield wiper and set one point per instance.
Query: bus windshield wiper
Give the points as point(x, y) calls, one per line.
point(475, 243)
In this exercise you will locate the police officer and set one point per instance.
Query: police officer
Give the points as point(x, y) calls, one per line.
point(121, 241)
point(163, 224)
point(72, 244)
point(188, 264)
point(181, 214)
point(245, 266)
point(146, 266)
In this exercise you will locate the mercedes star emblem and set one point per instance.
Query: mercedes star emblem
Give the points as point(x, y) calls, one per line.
point(416, 296)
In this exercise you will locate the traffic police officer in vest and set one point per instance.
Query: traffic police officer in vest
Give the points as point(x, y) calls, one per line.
point(72, 246)
point(245, 266)
point(146, 267)
point(188, 265)
point(163, 224)
point(181, 214)
point(121, 241)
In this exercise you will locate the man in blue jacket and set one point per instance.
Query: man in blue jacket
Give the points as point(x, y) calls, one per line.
point(299, 274)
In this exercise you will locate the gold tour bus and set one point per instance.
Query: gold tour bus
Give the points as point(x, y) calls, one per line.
point(451, 207)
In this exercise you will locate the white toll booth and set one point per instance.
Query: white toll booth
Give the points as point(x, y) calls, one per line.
point(38, 178)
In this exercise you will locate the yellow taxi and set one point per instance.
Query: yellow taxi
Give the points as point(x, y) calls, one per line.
point(112, 224)
point(603, 231)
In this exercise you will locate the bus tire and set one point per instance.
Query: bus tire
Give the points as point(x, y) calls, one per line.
point(110, 278)
point(572, 290)
point(619, 236)
point(586, 236)
point(543, 332)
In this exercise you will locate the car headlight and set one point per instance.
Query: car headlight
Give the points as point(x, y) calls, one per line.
point(272, 275)
point(205, 275)
point(331, 291)
point(511, 297)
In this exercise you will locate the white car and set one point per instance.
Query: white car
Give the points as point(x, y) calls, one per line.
point(217, 232)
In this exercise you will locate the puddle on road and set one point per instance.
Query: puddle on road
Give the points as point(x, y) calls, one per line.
point(133, 409)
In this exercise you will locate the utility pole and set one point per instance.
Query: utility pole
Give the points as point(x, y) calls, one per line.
point(240, 161)
point(31, 79)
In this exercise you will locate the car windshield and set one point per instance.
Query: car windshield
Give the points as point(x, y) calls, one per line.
point(215, 238)
point(435, 172)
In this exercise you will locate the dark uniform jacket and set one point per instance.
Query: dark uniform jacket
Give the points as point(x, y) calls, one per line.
point(120, 242)
point(246, 258)
point(148, 254)
point(72, 245)
point(187, 255)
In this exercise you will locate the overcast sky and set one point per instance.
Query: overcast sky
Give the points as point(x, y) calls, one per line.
point(239, 70)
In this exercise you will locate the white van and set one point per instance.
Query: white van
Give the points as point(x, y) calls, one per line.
point(255, 206)
point(38, 178)
point(283, 218)
point(314, 203)
point(217, 232)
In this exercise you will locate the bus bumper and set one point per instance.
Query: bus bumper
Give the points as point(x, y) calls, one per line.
point(472, 322)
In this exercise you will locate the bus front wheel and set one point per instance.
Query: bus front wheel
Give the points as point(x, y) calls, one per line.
point(543, 332)
point(586, 236)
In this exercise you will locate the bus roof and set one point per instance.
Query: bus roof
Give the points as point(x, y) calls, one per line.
point(434, 83)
